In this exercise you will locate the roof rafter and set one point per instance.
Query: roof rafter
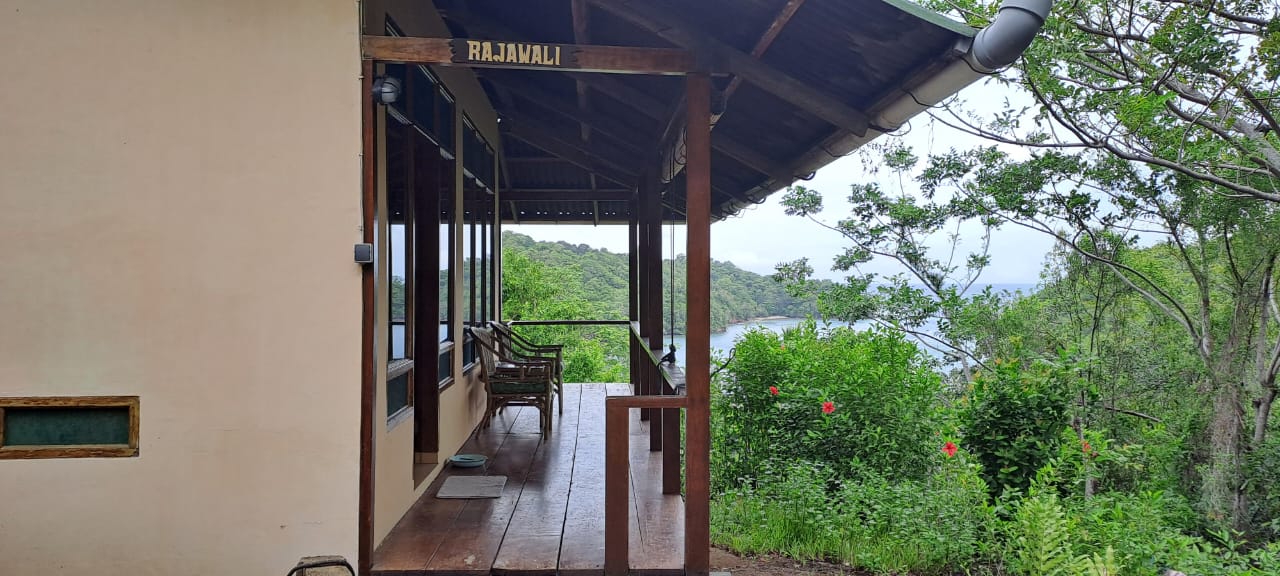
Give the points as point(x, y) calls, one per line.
point(545, 99)
point(726, 145)
point(770, 34)
point(678, 32)
point(604, 83)
point(534, 195)
point(539, 135)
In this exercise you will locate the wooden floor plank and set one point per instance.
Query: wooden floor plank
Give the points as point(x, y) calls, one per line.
point(549, 519)
point(531, 546)
point(472, 542)
point(415, 539)
point(660, 516)
point(582, 548)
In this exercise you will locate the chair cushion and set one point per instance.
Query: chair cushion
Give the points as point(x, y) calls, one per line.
point(518, 388)
point(507, 368)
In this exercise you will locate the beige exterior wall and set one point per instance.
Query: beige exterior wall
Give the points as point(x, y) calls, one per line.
point(461, 404)
point(179, 195)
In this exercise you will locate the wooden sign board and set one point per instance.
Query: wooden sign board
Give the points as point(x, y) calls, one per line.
point(528, 55)
point(524, 54)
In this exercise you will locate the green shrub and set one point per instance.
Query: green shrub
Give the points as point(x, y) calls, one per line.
point(852, 401)
point(1040, 538)
point(937, 525)
point(1013, 419)
point(1264, 486)
point(1137, 526)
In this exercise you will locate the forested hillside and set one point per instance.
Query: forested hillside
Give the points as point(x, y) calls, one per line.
point(599, 277)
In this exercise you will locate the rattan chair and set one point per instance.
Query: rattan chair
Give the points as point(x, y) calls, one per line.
point(520, 347)
point(512, 381)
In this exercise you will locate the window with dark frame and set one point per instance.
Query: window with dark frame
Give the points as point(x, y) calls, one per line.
point(444, 112)
point(400, 141)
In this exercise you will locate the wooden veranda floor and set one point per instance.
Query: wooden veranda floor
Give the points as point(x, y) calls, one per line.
point(550, 518)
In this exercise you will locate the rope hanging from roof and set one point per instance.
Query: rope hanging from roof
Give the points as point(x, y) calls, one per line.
point(670, 356)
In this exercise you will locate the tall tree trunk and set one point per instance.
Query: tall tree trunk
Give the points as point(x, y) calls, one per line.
point(1263, 412)
point(1223, 495)
point(1263, 361)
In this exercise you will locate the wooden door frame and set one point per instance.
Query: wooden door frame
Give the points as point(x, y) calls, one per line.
point(368, 319)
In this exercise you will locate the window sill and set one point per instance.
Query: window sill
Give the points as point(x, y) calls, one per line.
point(421, 471)
point(446, 384)
point(398, 368)
point(402, 415)
point(85, 451)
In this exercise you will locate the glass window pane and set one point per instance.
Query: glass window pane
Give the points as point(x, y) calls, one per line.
point(398, 222)
point(446, 250)
point(398, 319)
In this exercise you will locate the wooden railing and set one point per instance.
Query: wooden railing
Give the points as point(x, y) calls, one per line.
point(658, 392)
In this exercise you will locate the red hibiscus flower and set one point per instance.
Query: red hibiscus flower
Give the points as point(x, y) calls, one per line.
point(773, 390)
point(949, 449)
point(828, 407)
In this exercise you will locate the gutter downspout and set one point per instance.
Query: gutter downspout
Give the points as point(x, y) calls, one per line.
point(998, 45)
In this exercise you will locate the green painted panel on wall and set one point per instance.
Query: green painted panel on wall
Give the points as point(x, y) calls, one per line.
point(397, 393)
point(66, 426)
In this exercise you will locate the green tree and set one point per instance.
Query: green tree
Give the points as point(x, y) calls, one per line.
point(1154, 121)
point(930, 298)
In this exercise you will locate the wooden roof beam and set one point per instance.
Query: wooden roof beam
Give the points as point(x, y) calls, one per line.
point(536, 160)
point(727, 146)
point(597, 122)
point(581, 13)
point(620, 160)
point(770, 34)
point(748, 156)
point(629, 136)
point(535, 195)
point(620, 91)
point(764, 76)
point(538, 135)
point(602, 83)
point(512, 53)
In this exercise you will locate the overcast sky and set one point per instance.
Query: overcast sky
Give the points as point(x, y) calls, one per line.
point(762, 236)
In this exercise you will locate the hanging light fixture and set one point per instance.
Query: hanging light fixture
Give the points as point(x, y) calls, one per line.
point(386, 89)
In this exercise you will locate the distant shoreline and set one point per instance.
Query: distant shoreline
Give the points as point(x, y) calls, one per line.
point(749, 321)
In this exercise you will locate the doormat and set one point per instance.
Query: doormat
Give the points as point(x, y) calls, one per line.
point(472, 487)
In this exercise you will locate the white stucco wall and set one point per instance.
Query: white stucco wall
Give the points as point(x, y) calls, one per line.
point(179, 195)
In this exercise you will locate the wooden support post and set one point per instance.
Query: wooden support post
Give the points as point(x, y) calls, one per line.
point(643, 302)
point(617, 484)
point(697, 531)
point(671, 451)
point(655, 304)
point(368, 372)
point(633, 311)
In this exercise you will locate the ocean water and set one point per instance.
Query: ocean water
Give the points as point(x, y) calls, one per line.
point(724, 341)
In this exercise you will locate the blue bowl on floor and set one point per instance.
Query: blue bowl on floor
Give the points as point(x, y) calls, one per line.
point(468, 460)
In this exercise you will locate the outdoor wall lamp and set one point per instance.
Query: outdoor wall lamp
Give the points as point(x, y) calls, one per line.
point(386, 89)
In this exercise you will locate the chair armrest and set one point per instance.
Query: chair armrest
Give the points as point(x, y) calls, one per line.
point(525, 342)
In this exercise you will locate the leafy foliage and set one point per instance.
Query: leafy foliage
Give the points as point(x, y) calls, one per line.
point(882, 401)
point(1013, 420)
point(600, 277)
